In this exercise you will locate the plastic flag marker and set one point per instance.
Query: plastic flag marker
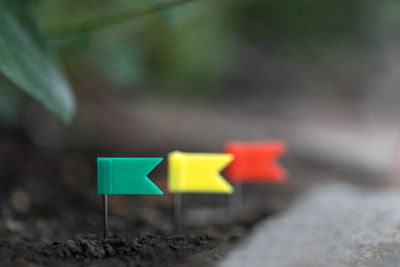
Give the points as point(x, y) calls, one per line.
point(196, 173)
point(254, 162)
point(124, 176)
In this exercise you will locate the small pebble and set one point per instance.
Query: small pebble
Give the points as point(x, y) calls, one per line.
point(20, 200)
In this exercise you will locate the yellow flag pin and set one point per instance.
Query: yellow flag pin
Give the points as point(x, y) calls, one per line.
point(198, 173)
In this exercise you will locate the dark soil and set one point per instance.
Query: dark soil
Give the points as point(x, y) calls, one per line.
point(118, 250)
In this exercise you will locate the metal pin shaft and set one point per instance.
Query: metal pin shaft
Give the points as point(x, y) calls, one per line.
point(235, 203)
point(177, 212)
point(105, 218)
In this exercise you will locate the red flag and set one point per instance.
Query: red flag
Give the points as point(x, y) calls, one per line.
point(255, 161)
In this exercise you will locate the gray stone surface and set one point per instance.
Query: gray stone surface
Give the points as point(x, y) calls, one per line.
point(331, 225)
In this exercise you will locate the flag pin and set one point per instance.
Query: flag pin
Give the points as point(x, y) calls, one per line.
point(254, 162)
point(124, 176)
point(195, 173)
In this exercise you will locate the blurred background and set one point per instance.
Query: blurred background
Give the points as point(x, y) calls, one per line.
point(149, 77)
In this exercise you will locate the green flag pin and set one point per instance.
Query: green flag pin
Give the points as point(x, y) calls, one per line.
point(124, 176)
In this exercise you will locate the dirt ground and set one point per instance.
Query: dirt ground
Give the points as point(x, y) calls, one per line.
point(51, 214)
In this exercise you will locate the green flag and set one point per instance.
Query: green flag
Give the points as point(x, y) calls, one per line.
point(126, 176)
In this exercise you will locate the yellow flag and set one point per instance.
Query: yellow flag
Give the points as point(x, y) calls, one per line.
point(198, 173)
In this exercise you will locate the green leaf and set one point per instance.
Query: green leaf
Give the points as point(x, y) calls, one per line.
point(26, 61)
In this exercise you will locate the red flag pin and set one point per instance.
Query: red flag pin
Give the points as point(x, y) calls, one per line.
point(254, 162)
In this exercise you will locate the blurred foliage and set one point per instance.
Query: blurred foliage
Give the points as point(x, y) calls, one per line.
point(184, 46)
point(318, 23)
point(25, 60)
